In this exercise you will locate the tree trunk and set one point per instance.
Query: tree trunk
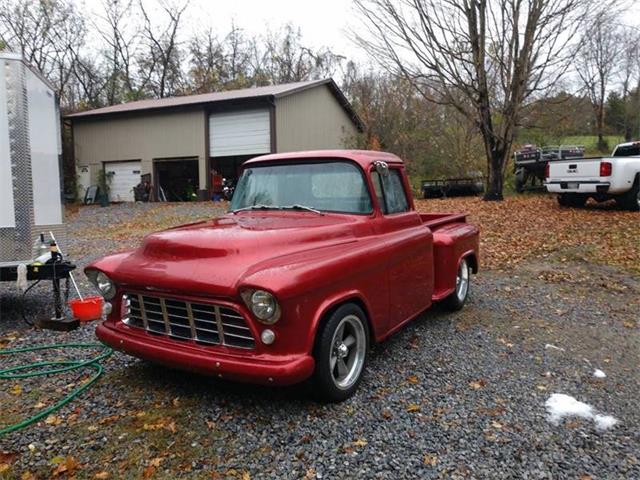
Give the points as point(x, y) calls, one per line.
point(495, 180)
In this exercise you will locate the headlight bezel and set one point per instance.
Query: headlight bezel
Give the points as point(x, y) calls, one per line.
point(251, 298)
point(101, 281)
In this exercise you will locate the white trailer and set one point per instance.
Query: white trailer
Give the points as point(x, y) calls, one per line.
point(30, 163)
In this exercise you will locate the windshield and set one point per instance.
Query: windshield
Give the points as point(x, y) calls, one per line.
point(334, 186)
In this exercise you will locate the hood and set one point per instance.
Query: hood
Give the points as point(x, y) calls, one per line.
point(212, 257)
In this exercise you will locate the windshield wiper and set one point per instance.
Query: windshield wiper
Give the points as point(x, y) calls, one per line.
point(297, 206)
point(256, 207)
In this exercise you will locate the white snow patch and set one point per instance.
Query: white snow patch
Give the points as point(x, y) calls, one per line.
point(548, 346)
point(599, 373)
point(560, 406)
point(604, 422)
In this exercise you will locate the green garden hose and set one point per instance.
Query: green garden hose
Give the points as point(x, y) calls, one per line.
point(39, 369)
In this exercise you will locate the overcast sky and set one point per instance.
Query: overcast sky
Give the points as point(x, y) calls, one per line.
point(322, 23)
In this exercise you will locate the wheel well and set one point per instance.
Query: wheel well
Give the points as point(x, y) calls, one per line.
point(473, 262)
point(356, 301)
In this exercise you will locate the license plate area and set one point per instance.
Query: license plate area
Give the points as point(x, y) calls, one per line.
point(569, 185)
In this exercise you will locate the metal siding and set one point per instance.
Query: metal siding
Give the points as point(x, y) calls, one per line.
point(239, 133)
point(312, 120)
point(163, 135)
point(7, 216)
point(45, 167)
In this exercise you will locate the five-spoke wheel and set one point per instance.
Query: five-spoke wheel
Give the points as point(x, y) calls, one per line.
point(341, 353)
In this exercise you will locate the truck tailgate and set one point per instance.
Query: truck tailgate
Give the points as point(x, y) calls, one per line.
point(582, 169)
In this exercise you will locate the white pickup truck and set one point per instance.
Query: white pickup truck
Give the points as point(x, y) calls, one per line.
point(601, 178)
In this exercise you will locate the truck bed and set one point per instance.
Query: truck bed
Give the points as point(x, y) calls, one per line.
point(433, 220)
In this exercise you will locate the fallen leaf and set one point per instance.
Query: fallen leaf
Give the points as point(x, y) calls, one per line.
point(412, 408)
point(53, 420)
point(387, 415)
point(102, 475)
point(4, 467)
point(430, 459)
point(68, 466)
point(360, 443)
point(413, 379)
point(477, 384)
point(16, 390)
point(246, 476)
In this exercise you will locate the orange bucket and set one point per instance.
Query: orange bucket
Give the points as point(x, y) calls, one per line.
point(88, 309)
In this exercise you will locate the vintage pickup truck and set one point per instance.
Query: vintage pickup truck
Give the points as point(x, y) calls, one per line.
point(321, 254)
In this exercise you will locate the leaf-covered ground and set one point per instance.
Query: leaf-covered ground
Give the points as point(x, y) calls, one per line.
point(525, 227)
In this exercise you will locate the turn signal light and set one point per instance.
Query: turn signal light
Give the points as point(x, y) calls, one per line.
point(605, 169)
point(547, 169)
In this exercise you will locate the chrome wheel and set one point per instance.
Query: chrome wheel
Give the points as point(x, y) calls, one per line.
point(348, 352)
point(462, 280)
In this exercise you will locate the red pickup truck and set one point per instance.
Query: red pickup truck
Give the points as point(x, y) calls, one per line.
point(320, 255)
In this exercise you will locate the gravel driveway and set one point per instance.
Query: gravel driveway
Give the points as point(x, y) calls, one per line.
point(450, 396)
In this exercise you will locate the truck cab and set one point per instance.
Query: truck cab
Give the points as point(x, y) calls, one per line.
point(321, 254)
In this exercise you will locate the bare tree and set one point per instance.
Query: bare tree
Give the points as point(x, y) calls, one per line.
point(629, 71)
point(286, 59)
point(486, 58)
point(598, 60)
point(44, 32)
point(161, 61)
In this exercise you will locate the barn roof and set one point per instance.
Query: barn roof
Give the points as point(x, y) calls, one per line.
point(274, 91)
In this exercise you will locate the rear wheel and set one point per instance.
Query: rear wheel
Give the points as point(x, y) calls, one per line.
point(631, 199)
point(341, 353)
point(458, 298)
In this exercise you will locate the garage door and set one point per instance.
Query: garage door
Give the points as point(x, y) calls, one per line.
point(124, 176)
point(239, 133)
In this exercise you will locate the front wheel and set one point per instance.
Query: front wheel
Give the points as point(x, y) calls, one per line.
point(458, 298)
point(341, 353)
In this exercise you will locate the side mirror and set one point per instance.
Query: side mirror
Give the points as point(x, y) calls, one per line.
point(382, 168)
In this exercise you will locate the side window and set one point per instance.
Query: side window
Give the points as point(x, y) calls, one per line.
point(377, 186)
point(396, 198)
point(390, 192)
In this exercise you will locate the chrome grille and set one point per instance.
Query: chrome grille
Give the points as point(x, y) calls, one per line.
point(181, 320)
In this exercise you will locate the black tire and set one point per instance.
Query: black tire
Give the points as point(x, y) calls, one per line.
point(326, 377)
point(458, 298)
point(631, 199)
point(521, 180)
point(563, 200)
point(576, 200)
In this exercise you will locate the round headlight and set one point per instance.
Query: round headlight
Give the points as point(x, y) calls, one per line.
point(105, 286)
point(263, 305)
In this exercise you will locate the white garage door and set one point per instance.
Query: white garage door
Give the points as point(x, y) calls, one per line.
point(239, 133)
point(124, 176)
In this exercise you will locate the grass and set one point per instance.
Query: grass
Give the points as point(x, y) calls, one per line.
point(590, 142)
